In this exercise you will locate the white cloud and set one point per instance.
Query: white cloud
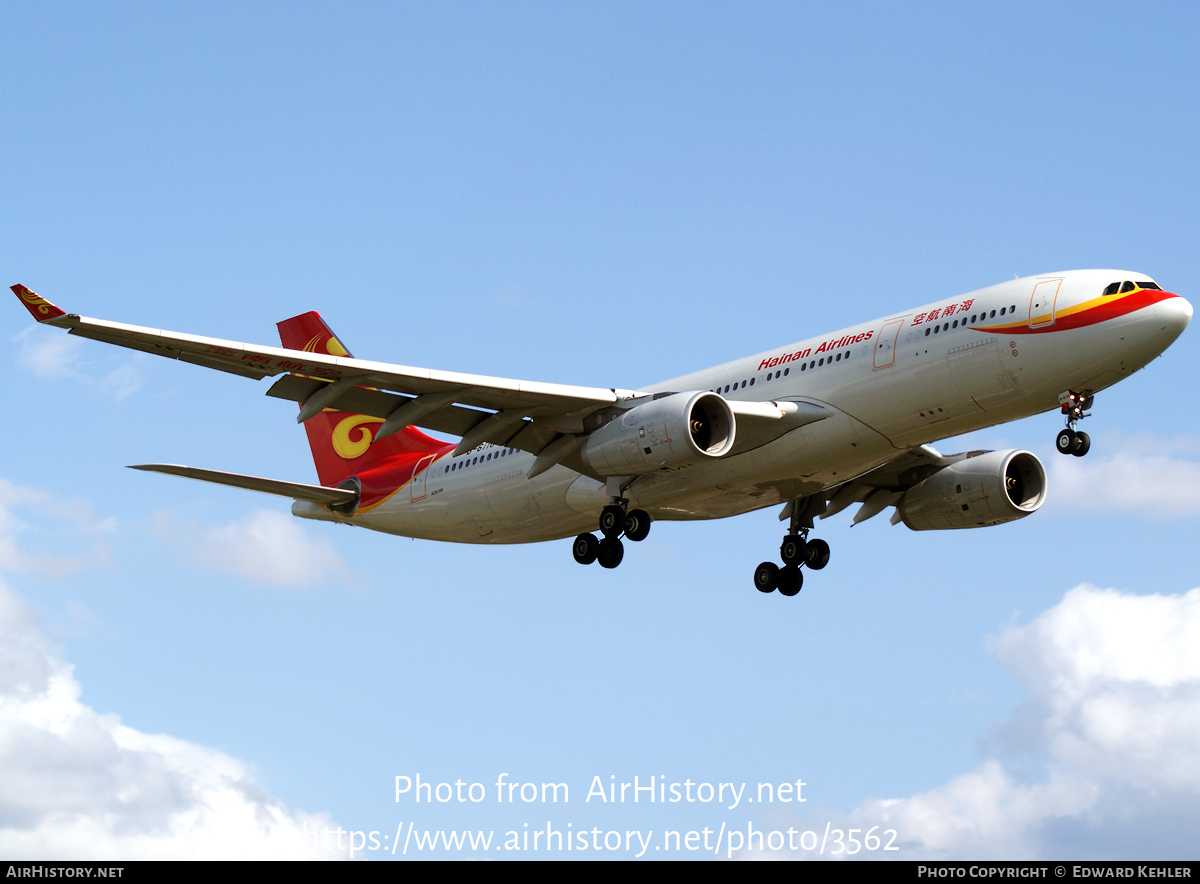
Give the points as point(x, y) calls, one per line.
point(1156, 477)
point(78, 784)
point(271, 547)
point(1102, 759)
point(52, 353)
point(48, 354)
point(81, 785)
point(25, 546)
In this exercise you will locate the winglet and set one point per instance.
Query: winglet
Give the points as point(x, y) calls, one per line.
point(38, 307)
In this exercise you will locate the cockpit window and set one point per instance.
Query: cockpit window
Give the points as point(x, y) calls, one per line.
point(1128, 286)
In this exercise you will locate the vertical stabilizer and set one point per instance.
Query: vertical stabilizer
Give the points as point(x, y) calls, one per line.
point(343, 442)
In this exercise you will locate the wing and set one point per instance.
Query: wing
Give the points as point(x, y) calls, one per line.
point(528, 415)
point(547, 420)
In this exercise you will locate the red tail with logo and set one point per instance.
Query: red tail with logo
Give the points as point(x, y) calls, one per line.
point(343, 443)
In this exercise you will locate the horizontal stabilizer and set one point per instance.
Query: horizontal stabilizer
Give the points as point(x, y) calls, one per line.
point(294, 490)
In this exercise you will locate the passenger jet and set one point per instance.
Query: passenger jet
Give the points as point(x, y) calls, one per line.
point(817, 426)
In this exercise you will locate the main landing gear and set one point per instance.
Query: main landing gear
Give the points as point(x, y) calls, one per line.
point(1074, 406)
point(795, 551)
point(615, 520)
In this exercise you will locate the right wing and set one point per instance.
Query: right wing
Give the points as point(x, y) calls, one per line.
point(528, 415)
point(547, 420)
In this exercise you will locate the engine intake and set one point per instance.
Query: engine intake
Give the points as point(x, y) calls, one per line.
point(992, 488)
point(679, 430)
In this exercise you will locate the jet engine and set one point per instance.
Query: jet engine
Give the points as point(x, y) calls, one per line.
point(999, 486)
point(679, 430)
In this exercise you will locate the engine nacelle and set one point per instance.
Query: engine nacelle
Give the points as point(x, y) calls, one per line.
point(676, 431)
point(996, 487)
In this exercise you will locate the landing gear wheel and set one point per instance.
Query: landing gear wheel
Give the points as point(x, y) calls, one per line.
point(1083, 443)
point(612, 520)
point(585, 549)
point(766, 577)
point(792, 550)
point(790, 580)
point(610, 552)
point(637, 525)
point(1066, 442)
point(817, 555)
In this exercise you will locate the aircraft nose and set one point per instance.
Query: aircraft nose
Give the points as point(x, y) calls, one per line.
point(1172, 315)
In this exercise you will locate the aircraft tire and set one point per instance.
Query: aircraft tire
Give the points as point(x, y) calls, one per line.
point(637, 525)
point(792, 550)
point(790, 580)
point(766, 577)
point(817, 556)
point(612, 520)
point(585, 549)
point(1065, 442)
point(611, 552)
point(1083, 444)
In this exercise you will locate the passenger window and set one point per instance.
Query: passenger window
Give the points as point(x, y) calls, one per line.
point(838, 358)
point(1127, 286)
point(993, 314)
point(1112, 288)
point(955, 324)
point(743, 385)
point(727, 388)
point(803, 366)
point(847, 354)
point(821, 361)
point(926, 332)
point(972, 320)
point(751, 382)
point(1012, 309)
point(1001, 311)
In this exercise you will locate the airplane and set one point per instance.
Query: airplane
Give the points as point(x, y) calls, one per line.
point(844, 418)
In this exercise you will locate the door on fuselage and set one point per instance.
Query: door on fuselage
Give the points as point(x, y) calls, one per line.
point(418, 485)
point(885, 347)
point(1043, 301)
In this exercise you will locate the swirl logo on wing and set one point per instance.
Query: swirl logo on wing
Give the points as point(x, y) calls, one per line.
point(350, 438)
point(33, 299)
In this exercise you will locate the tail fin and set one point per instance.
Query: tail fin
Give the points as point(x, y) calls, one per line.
point(343, 442)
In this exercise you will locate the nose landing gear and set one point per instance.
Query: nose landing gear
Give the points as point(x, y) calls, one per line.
point(615, 520)
point(795, 551)
point(1074, 406)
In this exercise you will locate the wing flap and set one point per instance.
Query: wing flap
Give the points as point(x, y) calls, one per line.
point(294, 490)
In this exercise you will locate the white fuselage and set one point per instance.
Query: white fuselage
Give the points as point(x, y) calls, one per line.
point(892, 384)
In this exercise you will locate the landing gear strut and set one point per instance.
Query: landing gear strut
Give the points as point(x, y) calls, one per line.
point(795, 551)
point(1074, 406)
point(616, 520)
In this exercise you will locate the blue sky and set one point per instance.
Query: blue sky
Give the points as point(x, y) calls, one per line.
point(595, 194)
